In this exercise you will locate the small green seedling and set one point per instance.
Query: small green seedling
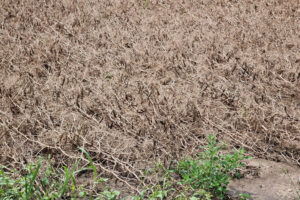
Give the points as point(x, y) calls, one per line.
point(245, 196)
point(108, 76)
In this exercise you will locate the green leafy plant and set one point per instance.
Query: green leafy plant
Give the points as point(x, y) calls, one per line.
point(159, 190)
point(204, 177)
point(108, 76)
point(211, 170)
point(9, 187)
point(109, 195)
point(52, 184)
point(245, 196)
point(28, 185)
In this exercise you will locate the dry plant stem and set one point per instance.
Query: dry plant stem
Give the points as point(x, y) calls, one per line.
point(127, 166)
point(70, 156)
point(135, 86)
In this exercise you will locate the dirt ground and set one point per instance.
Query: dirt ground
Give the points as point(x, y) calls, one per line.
point(136, 84)
point(265, 180)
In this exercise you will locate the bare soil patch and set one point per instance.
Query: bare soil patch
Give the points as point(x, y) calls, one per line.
point(272, 180)
point(135, 85)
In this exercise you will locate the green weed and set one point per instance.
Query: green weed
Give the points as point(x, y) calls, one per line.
point(53, 184)
point(211, 170)
point(204, 177)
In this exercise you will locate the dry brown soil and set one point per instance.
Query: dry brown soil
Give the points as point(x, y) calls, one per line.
point(266, 180)
point(135, 85)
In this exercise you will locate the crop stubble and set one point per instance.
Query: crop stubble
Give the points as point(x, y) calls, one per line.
point(132, 84)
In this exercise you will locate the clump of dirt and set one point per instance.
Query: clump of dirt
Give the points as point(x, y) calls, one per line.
point(134, 85)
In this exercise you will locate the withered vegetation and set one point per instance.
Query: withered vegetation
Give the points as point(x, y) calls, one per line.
point(135, 84)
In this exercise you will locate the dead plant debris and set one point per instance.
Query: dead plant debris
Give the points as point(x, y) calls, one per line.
point(134, 85)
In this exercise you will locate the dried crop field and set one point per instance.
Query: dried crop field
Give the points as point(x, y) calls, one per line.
point(136, 84)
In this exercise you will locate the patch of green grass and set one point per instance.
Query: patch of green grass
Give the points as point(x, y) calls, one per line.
point(203, 177)
point(52, 184)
